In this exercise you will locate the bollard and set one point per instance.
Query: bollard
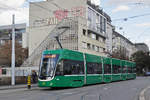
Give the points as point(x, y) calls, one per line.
point(29, 82)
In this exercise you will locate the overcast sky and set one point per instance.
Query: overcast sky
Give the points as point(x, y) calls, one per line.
point(133, 15)
point(136, 15)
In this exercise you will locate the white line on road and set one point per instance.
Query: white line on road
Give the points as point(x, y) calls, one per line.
point(141, 96)
point(70, 93)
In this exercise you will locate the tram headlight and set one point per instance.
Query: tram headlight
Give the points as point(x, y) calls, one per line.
point(51, 84)
point(57, 79)
point(43, 83)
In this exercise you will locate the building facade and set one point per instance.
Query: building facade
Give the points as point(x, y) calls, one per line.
point(142, 47)
point(91, 31)
point(6, 32)
point(123, 45)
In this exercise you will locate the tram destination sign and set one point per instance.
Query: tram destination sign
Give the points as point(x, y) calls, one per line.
point(49, 56)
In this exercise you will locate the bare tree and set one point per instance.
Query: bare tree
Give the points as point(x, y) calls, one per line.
point(120, 53)
point(5, 54)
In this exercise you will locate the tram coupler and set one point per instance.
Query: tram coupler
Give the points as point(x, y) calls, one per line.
point(29, 82)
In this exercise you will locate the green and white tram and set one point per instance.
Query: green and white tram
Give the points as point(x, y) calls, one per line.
point(67, 68)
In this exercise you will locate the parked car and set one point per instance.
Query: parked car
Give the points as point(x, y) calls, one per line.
point(147, 73)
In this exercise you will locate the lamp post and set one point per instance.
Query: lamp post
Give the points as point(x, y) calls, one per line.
point(13, 52)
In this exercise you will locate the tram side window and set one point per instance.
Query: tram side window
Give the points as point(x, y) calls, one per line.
point(115, 69)
point(107, 69)
point(129, 70)
point(73, 67)
point(94, 68)
point(90, 68)
point(100, 68)
point(119, 69)
point(59, 68)
point(134, 70)
point(124, 69)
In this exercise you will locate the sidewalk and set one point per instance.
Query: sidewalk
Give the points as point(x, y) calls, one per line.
point(16, 86)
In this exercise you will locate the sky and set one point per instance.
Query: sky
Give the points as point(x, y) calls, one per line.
point(130, 17)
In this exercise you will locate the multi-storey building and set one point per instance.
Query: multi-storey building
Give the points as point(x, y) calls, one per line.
point(123, 45)
point(6, 32)
point(88, 26)
point(142, 47)
point(80, 25)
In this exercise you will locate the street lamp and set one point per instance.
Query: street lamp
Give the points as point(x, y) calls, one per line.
point(13, 52)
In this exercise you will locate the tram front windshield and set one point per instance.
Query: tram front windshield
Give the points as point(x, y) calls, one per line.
point(48, 65)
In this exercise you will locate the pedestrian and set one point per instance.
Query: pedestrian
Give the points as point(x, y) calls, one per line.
point(34, 76)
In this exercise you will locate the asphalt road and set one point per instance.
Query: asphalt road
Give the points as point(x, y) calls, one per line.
point(123, 90)
point(147, 95)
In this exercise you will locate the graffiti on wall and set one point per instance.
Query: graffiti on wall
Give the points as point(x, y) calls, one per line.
point(59, 15)
point(74, 12)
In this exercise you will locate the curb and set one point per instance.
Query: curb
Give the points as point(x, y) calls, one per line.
point(16, 87)
point(141, 96)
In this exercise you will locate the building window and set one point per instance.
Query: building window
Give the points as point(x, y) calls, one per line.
point(93, 20)
point(97, 48)
point(89, 34)
point(72, 36)
point(97, 37)
point(84, 45)
point(100, 39)
point(103, 40)
point(93, 47)
point(97, 18)
point(89, 14)
point(2, 42)
point(101, 49)
point(93, 36)
point(4, 71)
point(97, 22)
point(102, 24)
point(84, 32)
point(88, 45)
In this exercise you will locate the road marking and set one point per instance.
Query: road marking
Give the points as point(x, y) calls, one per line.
point(105, 88)
point(67, 93)
point(70, 93)
point(141, 96)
